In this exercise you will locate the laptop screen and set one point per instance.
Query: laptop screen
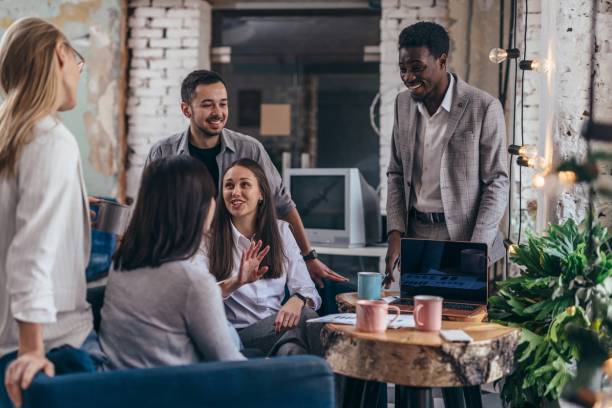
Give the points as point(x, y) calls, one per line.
point(457, 271)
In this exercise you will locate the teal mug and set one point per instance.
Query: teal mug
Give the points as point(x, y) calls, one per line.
point(369, 285)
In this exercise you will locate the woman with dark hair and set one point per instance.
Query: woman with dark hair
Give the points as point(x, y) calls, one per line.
point(254, 308)
point(162, 306)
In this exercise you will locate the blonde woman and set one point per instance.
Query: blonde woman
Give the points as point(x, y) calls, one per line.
point(44, 225)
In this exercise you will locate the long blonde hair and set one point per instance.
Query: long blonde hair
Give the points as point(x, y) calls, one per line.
point(29, 77)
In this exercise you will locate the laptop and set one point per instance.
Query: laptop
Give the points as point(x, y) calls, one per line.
point(454, 270)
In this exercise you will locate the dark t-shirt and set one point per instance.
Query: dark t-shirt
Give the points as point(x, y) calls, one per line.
point(209, 158)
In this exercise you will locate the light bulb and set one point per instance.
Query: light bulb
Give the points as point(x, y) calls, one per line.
point(567, 178)
point(498, 55)
point(535, 64)
point(528, 151)
point(512, 249)
point(538, 181)
point(538, 163)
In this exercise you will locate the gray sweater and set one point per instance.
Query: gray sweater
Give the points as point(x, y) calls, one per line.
point(171, 315)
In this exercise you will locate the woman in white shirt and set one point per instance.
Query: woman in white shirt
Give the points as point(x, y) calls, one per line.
point(247, 215)
point(44, 214)
point(161, 306)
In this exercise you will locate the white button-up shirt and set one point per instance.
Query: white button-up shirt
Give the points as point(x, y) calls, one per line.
point(44, 241)
point(429, 147)
point(255, 301)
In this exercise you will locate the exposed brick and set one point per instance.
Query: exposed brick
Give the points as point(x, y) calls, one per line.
point(166, 23)
point(138, 22)
point(182, 53)
point(183, 13)
point(165, 63)
point(138, 42)
point(139, 63)
point(146, 33)
point(190, 42)
point(144, 73)
point(149, 12)
point(182, 32)
point(147, 53)
point(165, 43)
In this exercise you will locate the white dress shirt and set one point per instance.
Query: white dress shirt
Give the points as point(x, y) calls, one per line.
point(44, 241)
point(430, 144)
point(255, 301)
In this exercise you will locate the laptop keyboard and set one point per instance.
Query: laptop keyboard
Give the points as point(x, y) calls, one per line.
point(446, 305)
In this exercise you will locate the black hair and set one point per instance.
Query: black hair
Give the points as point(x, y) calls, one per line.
point(168, 222)
point(425, 34)
point(195, 78)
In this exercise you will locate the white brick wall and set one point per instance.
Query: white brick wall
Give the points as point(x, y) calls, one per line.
point(167, 40)
point(396, 15)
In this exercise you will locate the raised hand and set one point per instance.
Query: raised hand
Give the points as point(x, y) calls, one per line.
point(251, 258)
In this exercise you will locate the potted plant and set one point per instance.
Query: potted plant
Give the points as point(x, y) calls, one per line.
point(565, 282)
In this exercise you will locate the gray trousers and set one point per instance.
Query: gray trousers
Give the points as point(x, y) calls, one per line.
point(302, 339)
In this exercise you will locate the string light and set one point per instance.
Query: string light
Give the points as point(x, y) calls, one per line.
point(499, 55)
point(535, 64)
point(511, 247)
point(537, 163)
point(527, 151)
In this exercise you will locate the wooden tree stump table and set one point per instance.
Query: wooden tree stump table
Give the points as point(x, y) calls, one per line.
point(417, 361)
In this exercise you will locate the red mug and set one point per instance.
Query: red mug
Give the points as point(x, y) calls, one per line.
point(371, 315)
point(428, 312)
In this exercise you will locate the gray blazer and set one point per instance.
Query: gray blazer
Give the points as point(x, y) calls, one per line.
point(473, 175)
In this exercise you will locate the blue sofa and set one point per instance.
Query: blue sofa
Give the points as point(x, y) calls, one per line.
point(297, 381)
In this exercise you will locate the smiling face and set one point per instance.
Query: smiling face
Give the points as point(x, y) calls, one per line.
point(241, 193)
point(421, 72)
point(207, 111)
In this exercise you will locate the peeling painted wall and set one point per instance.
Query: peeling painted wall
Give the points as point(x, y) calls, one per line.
point(93, 26)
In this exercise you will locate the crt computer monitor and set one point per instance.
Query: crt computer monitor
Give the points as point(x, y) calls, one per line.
point(337, 206)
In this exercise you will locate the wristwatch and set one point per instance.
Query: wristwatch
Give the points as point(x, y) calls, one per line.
point(302, 298)
point(312, 254)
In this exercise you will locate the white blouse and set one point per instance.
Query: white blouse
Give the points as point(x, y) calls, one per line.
point(44, 241)
point(255, 301)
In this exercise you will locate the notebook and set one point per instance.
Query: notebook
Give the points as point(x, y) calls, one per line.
point(454, 270)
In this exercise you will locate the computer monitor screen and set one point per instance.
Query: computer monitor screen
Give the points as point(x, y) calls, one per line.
point(320, 200)
point(457, 271)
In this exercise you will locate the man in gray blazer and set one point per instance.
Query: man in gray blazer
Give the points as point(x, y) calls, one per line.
point(447, 176)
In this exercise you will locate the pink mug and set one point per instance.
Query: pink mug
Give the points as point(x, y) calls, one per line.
point(428, 312)
point(372, 315)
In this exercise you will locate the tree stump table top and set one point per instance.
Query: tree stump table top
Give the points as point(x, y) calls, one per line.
point(422, 359)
